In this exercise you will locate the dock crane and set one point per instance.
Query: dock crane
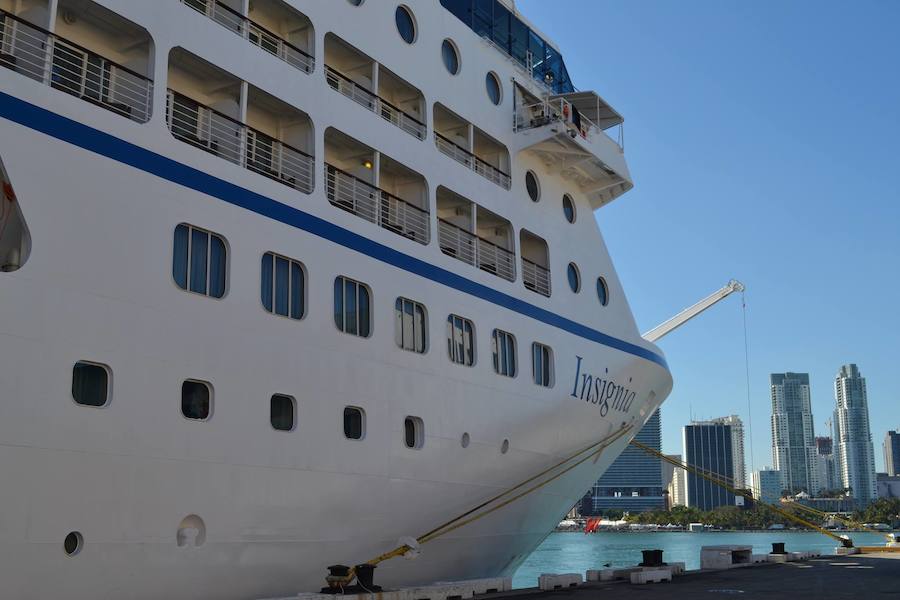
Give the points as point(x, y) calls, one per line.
point(692, 311)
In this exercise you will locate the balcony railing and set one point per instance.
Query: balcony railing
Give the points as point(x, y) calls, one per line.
point(219, 134)
point(375, 103)
point(470, 161)
point(375, 205)
point(559, 110)
point(535, 277)
point(254, 33)
point(68, 67)
point(470, 248)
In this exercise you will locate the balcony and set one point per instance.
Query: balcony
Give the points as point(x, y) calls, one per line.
point(569, 133)
point(535, 261)
point(72, 68)
point(375, 205)
point(217, 133)
point(469, 146)
point(390, 113)
point(269, 17)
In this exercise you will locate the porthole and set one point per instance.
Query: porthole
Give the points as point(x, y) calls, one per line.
point(602, 291)
point(406, 24)
point(533, 186)
point(196, 400)
point(282, 412)
point(568, 208)
point(504, 447)
point(90, 384)
point(413, 432)
point(494, 89)
point(354, 423)
point(450, 56)
point(464, 440)
point(574, 278)
point(356, 2)
point(73, 543)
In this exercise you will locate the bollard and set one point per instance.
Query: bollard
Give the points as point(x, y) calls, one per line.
point(365, 577)
point(652, 558)
point(778, 548)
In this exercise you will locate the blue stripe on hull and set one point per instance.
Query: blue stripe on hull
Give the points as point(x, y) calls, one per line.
point(104, 144)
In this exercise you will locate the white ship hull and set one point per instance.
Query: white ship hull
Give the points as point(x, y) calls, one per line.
point(277, 507)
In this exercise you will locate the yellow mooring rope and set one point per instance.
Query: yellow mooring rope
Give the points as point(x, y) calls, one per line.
point(594, 450)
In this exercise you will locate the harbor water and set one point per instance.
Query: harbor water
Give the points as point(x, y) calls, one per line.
point(575, 552)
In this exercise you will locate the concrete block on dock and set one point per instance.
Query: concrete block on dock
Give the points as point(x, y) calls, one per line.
point(445, 590)
point(759, 558)
point(551, 581)
point(651, 576)
point(841, 551)
point(778, 558)
point(724, 557)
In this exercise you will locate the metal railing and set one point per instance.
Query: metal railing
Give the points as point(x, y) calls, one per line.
point(219, 134)
point(378, 105)
point(375, 205)
point(543, 113)
point(470, 161)
point(478, 252)
point(535, 277)
point(68, 67)
point(254, 33)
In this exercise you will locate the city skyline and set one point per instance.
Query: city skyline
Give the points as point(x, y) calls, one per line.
point(765, 104)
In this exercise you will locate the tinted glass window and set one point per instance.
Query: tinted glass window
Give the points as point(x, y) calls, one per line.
point(450, 57)
point(461, 340)
point(574, 277)
point(492, 84)
point(569, 208)
point(532, 186)
point(542, 364)
point(413, 432)
point(602, 291)
point(195, 400)
point(282, 286)
point(90, 384)
point(199, 261)
point(282, 412)
point(410, 325)
point(405, 24)
point(352, 307)
point(504, 347)
point(353, 423)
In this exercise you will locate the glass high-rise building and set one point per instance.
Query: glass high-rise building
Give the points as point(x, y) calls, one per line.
point(767, 485)
point(855, 458)
point(633, 483)
point(708, 446)
point(737, 448)
point(892, 453)
point(793, 438)
point(828, 478)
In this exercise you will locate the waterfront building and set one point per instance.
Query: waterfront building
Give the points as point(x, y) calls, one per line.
point(892, 453)
point(674, 482)
point(853, 438)
point(766, 485)
point(737, 452)
point(825, 464)
point(708, 446)
point(887, 485)
point(634, 481)
point(793, 439)
point(841, 504)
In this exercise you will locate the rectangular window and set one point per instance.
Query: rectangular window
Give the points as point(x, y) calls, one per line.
point(199, 261)
point(90, 384)
point(410, 325)
point(461, 340)
point(282, 286)
point(196, 400)
point(352, 307)
point(413, 432)
point(354, 423)
point(542, 364)
point(282, 411)
point(504, 347)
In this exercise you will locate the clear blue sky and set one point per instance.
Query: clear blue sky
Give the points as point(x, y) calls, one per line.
point(764, 142)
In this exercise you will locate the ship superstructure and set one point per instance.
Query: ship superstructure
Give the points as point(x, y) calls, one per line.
point(283, 282)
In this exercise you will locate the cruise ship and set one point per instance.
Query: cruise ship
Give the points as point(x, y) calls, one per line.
point(283, 282)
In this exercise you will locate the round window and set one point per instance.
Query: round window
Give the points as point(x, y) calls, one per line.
point(533, 186)
point(406, 25)
point(574, 277)
point(73, 543)
point(494, 91)
point(450, 56)
point(568, 208)
point(355, 2)
point(602, 291)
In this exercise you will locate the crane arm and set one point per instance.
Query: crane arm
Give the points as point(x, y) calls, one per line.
point(692, 311)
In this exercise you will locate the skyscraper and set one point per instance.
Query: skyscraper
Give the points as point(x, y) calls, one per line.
point(708, 446)
point(828, 479)
point(633, 482)
point(766, 485)
point(737, 451)
point(892, 453)
point(793, 444)
point(853, 438)
point(673, 482)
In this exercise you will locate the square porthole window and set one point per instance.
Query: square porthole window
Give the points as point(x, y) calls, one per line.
point(283, 411)
point(90, 384)
point(413, 432)
point(354, 423)
point(196, 400)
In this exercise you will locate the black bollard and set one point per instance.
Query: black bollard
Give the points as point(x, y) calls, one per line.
point(337, 579)
point(652, 558)
point(365, 576)
point(778, 548)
